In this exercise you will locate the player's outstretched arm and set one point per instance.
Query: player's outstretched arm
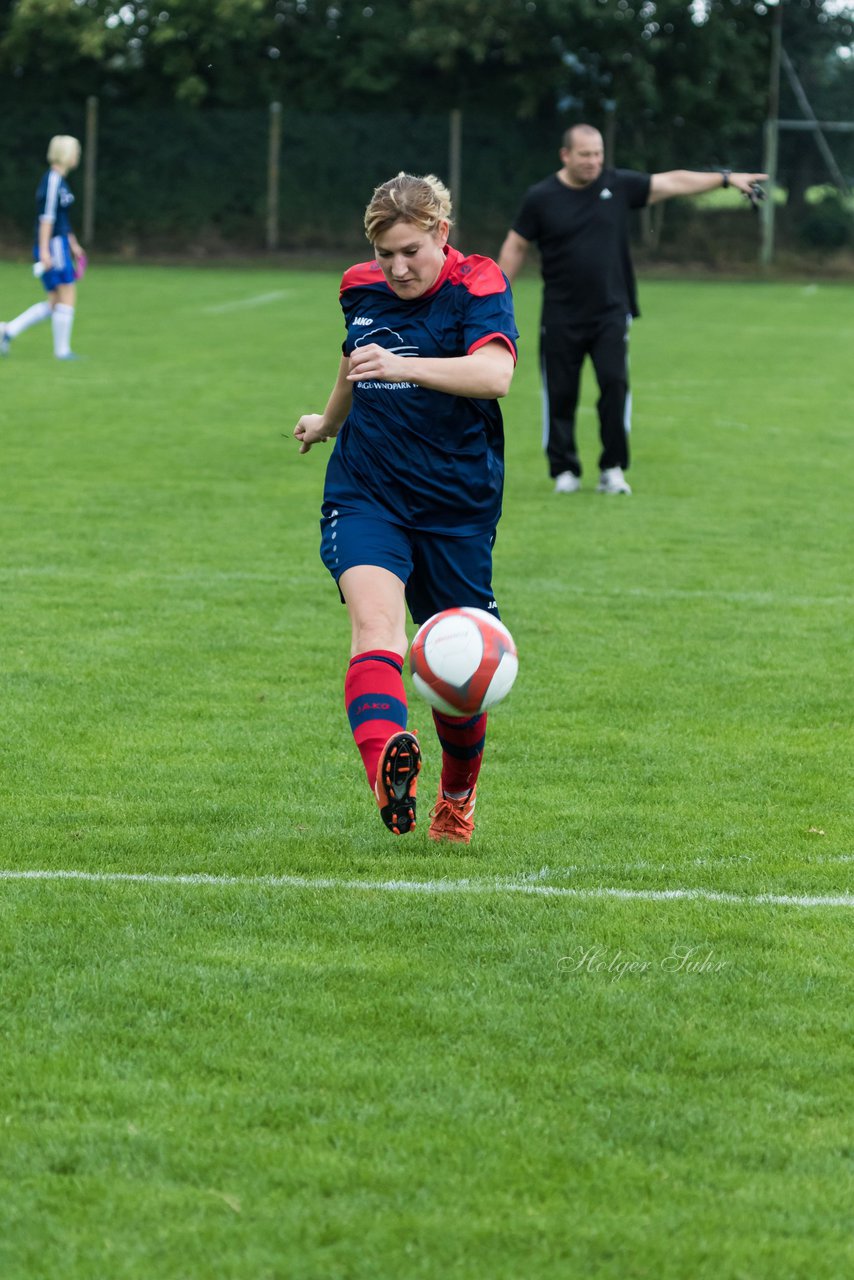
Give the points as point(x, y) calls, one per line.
point(688, 182)
point(315, 428)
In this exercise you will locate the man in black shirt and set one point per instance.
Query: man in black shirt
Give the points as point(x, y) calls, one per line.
point(579, 220)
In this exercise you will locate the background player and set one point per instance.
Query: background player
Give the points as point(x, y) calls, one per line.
point(578, 218)
point(57, 255)
point(414, 484)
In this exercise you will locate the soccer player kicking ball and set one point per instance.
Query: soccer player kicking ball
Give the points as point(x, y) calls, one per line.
point(415, 478)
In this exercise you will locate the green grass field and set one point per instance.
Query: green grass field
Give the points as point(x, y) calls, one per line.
point(247, 1034)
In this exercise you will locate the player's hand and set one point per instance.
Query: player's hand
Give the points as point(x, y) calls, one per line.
point(372, 361)
point(310, 430)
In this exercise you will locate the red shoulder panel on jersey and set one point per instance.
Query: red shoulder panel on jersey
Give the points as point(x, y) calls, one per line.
point(481, 276)
point(363, 273)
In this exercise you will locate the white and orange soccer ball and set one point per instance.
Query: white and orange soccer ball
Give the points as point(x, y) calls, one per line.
point(463, 661)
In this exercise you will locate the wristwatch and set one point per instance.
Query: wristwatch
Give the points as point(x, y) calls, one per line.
point(725, 175)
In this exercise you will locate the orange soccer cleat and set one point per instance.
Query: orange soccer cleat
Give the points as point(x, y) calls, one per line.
point(397, 782)
point(453, 819)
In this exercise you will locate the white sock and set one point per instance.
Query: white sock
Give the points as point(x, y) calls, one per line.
point(33, 315)
point(63, 319)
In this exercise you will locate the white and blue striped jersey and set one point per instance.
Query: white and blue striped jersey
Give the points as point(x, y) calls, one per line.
point(54, 199)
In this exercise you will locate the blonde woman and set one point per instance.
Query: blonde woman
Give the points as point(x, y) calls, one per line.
point(414, 481)
point(57, 256)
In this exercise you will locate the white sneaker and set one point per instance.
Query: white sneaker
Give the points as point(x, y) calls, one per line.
point(567, 482)
point(5, 340)
point(612, 480)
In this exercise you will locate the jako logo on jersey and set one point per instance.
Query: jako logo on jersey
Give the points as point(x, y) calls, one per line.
point(605, 194)
point(492, 605)
point(363, 320)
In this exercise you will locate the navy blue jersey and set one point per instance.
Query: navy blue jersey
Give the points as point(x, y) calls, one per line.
point(54, 200)
point(430, 460)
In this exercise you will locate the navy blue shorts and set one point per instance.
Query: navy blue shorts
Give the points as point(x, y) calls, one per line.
point(439, 572)
point(62, 269)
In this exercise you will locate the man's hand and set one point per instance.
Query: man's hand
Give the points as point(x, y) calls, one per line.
point(748, 185)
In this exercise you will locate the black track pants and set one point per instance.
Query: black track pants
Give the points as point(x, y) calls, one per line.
point(563, 348)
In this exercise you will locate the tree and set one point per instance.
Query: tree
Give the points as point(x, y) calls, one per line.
point(817, 39)
point(676, 79)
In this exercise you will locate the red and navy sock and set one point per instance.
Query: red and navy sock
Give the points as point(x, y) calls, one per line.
point(462, 743)
point(376, 703)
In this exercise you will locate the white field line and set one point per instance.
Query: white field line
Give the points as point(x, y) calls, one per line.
point(436, 887)
point(646, 864)
point(242, 304)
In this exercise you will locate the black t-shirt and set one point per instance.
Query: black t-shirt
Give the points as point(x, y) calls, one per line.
point(583, 238)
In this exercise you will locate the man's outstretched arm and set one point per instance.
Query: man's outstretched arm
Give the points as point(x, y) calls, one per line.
point(688, 182)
